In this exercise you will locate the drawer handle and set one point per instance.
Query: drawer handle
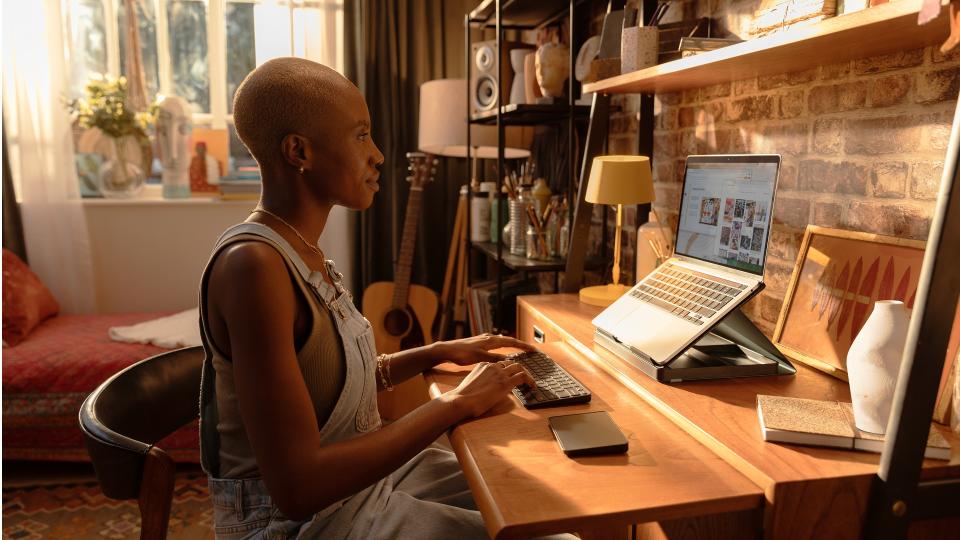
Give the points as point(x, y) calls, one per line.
point(538, 334)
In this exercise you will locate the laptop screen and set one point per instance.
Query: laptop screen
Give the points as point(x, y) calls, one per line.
point(725, 210)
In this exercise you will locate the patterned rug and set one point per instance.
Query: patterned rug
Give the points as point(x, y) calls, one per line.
point(80, 511)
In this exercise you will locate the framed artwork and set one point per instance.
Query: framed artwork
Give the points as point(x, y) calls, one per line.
point(208, 159)
point(838, 277)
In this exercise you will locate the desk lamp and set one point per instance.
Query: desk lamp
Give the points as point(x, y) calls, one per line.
point(616, 180)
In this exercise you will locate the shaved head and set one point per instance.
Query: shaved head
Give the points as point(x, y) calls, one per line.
point(284, 96)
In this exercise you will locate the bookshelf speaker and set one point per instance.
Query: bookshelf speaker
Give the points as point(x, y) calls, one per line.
point(486, 90)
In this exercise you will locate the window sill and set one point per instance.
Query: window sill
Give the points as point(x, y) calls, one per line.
point(152, 195)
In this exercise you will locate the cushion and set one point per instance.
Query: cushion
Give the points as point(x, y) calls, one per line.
point(26, 301)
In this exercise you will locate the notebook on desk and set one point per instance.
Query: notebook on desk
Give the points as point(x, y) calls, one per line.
point(670, 321)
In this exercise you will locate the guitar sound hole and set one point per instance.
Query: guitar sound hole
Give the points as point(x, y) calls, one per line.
point(397, 322)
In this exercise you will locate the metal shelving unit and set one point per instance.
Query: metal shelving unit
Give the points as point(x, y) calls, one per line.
point(503, 15)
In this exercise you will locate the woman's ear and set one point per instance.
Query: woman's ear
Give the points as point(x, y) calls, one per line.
point(296, 151)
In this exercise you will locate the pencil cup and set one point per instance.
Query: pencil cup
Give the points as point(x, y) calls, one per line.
point(638, 48)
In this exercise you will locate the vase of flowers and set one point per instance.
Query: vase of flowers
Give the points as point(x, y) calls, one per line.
point(117, 133)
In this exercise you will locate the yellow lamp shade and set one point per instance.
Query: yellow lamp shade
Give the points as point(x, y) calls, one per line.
point(620, 180)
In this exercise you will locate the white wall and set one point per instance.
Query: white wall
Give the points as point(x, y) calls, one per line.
point(148, 253)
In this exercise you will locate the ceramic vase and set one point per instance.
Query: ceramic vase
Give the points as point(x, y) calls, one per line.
point(518, 95)
point(873, 363)
point(553, 68)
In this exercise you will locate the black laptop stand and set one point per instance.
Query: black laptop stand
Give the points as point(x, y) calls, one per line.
point(735, 347)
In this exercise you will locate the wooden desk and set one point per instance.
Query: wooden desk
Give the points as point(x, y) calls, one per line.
point(810, 492)
point(525, 486)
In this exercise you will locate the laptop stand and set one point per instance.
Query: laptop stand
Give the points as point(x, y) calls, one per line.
point(734, 348)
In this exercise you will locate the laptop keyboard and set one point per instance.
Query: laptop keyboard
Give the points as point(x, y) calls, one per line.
point(692, 296)
point(555, 387)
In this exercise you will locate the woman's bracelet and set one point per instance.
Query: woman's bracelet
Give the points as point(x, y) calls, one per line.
point(383, 368)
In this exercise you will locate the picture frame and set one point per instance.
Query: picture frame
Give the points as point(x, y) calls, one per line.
point(838, 276)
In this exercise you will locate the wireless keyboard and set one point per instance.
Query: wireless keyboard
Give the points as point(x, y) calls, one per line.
point(555, 387)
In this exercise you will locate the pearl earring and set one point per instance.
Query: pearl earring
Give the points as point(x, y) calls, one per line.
point(301, 169)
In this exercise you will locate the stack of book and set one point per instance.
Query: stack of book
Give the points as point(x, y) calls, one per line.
point(775, 15)
point(690, 46)
point(827, 423)
point(243, 184)
point(482, 299)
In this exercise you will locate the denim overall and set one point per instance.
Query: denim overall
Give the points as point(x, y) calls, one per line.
point(425, 498)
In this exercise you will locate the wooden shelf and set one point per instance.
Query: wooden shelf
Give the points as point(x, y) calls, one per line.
point(520, 13)
point(528, 115)
point(878, 30)
point(523, 264)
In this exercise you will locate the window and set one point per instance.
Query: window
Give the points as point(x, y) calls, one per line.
point(200, 50)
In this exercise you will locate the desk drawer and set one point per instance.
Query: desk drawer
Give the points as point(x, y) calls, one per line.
point(535, 328)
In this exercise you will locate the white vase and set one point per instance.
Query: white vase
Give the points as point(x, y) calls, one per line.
point(517, 91)
point(873, 363)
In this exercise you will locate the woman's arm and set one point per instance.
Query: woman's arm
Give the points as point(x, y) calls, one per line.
point(253, 294)
point(466, 351)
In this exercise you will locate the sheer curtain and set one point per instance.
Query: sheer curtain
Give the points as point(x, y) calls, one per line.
point(41, 152)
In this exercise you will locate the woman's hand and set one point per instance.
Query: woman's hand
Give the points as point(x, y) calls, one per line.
point(487, 384)
point(473, 350)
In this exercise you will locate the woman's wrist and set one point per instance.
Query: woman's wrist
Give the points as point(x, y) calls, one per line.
point(434, 354)
point(457, 405)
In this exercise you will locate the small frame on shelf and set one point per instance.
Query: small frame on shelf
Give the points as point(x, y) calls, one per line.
point(838, 276)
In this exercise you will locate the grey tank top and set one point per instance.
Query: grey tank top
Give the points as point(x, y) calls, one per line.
point(321, 359)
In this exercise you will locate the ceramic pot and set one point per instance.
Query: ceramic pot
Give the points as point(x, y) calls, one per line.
point(873, 363)
point(553, 68)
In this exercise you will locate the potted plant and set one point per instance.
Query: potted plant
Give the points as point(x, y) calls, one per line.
point(115, 131)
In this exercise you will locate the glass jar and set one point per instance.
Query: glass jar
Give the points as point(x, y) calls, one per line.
point(518, 227)
point(122, 175)
point(565, 238)
point(531, 242)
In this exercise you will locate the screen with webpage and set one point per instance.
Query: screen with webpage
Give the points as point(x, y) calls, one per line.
point(725, 213)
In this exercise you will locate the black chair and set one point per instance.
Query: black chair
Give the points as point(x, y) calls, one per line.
point(124, 418)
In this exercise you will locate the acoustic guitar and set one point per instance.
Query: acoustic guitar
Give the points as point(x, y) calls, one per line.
point(400, 312)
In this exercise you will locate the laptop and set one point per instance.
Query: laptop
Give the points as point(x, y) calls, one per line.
point(721, 246)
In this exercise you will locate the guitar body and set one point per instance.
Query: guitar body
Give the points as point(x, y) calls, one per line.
point(388, 328)
point(396, 331)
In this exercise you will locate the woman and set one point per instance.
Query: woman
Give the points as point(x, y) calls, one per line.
point(291, 437)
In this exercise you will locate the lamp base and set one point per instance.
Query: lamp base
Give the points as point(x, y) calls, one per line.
point(602, 295)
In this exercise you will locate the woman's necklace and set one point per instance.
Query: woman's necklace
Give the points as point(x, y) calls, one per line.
point(312, 247)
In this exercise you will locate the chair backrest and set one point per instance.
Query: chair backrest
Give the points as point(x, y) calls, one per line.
point(126, 415)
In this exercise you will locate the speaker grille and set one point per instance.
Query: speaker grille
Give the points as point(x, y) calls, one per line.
point(485, 97)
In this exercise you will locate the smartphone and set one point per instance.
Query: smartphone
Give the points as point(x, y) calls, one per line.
point(588, 434)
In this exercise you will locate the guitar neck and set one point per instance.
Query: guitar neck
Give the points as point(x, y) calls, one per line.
point(401, 273)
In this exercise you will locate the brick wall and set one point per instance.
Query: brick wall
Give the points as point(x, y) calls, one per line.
point(863, 144)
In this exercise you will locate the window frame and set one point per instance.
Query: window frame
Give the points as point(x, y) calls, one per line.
point(216, 12)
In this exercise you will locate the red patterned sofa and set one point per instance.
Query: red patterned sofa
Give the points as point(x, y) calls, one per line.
point(52, 365)
point(47, 376)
